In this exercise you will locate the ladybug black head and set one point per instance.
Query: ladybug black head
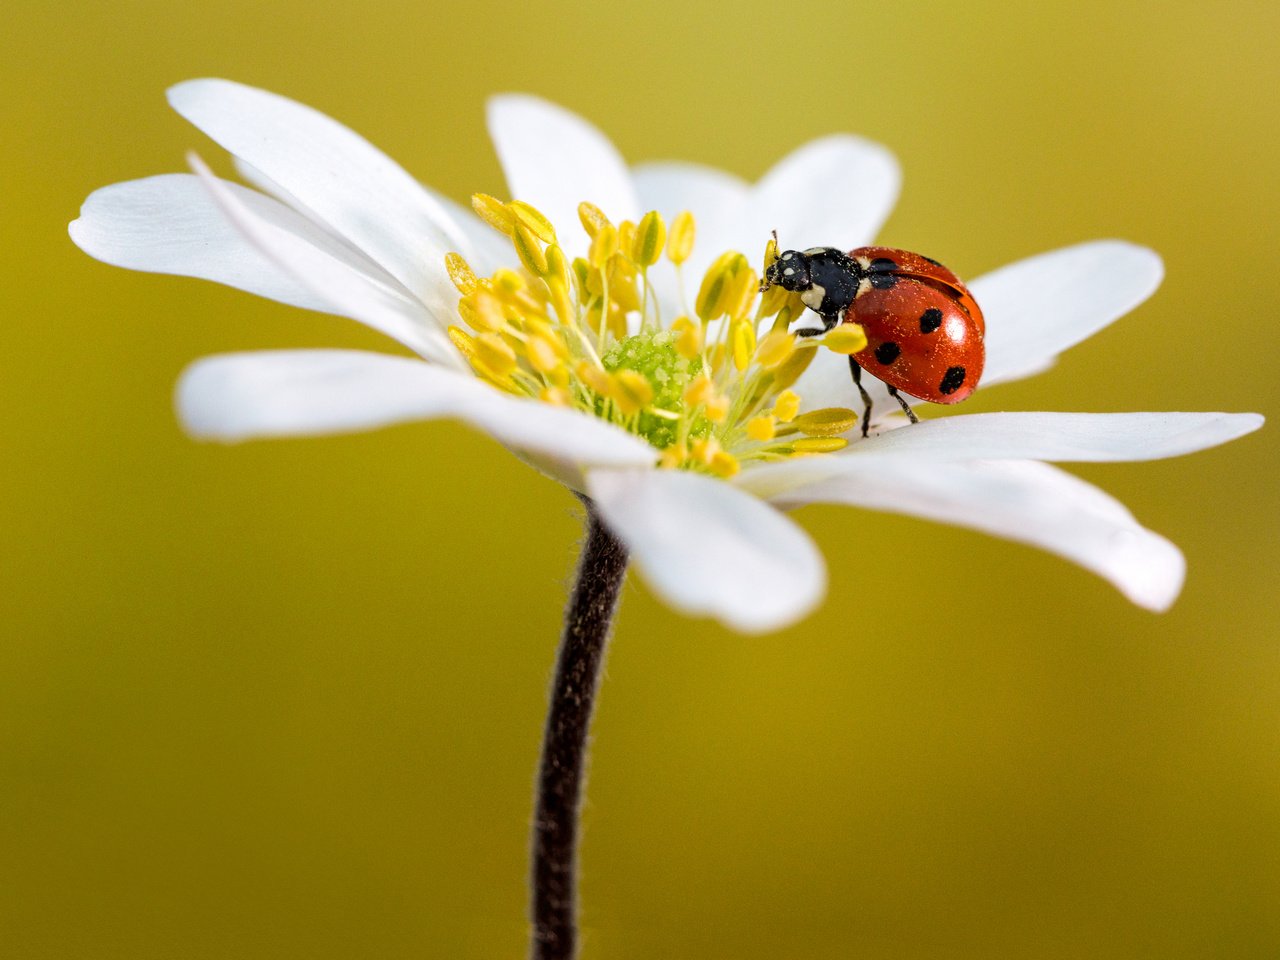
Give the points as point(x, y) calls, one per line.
point(790, 271)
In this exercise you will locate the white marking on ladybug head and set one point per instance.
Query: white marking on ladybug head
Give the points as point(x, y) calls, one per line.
point(789, 272)
point(813, 297)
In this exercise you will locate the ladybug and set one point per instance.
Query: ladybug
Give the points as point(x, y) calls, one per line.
point(924, 329)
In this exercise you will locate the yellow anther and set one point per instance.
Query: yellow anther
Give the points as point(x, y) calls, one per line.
point(673, 457)
point(688, 337)
point(464, 341)
point(827, 422)
point(542, 353)
point(786, 406)
point(556, 396)
point(460, 272)
point(845, 338)
point(557, 264)
point(593, 218)
point(703, 449)
point(534, 220)
point(712, 293)
point(775, 348)
point(482, 310)
point(495, 353)
point(582, 270)
point(742, 292)
point(789, 371)
point(622, 282)
point(724, 464)
point(743, 337)
point(680, 240)
point(819, 444)
point(626, 235)
point(650, 237)
point(774, 301)
point(507, 281)
point(761, 428)
point(494, 212)
point(529, 250)
point(604, 244)
point(594, 377)
point(631, 391)
point(560, 298)
point(770, 254)
point(717, 408)
point(699, 391)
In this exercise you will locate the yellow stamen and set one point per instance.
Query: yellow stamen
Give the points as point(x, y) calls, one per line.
point(845, 338)
point(762, 428)
point(775, 348)
point(592, 218)
point(786, 406)
point(534, 220)
point(460, 272)
point(724, 464)
point(819, 444)
point(494, 212)
point(464, 341)
point(556, 396)
point(826, 422)
point(680, 240)
point(649, 239)
point(688, 337)
point(632, 391)
point(529, 250)
point(495, 353)
point(743, 337)
point(603, 246)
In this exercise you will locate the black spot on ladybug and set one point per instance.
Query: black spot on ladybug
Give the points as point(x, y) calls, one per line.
point(883, 265)
point(888, 352)
point(883, 281)
point(952, 380)
point(930, 321)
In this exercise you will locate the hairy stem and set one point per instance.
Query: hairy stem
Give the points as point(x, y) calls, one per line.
point(587, 623)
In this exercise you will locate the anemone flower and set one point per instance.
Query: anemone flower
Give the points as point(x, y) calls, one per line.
point(582, 327)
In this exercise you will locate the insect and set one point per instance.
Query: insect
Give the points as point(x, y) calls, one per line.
point(924, 329)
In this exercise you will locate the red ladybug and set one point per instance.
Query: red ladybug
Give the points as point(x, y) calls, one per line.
point(924, 329)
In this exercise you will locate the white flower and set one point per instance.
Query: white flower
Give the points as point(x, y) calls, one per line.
point(334, 225)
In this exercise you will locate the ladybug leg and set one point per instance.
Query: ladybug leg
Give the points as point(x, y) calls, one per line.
point(866, 397)
point(906, 407)
point(828, 321)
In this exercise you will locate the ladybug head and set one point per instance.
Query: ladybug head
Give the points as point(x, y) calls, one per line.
point(790, 271)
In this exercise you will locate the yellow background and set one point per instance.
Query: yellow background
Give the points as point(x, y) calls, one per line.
point(283, 700)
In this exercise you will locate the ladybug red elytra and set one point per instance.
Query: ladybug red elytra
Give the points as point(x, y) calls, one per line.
point(924, 329)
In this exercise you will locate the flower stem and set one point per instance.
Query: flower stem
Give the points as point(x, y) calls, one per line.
point(587, 623)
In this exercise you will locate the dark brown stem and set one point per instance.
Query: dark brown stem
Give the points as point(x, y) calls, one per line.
point(587, 623)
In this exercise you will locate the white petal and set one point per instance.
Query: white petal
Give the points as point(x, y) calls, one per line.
point(170, 224)
point(836, 191)
point(351, 291)
point(335, 175)
point(554, 159)
point(287, 393)
point(1061, 437)
point(1037, 308)
point(708, 548)
point(1024, 501)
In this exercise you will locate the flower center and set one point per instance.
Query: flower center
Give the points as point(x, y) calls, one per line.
point(710, 391)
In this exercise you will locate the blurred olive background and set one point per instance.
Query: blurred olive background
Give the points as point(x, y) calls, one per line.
point(284, 700)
